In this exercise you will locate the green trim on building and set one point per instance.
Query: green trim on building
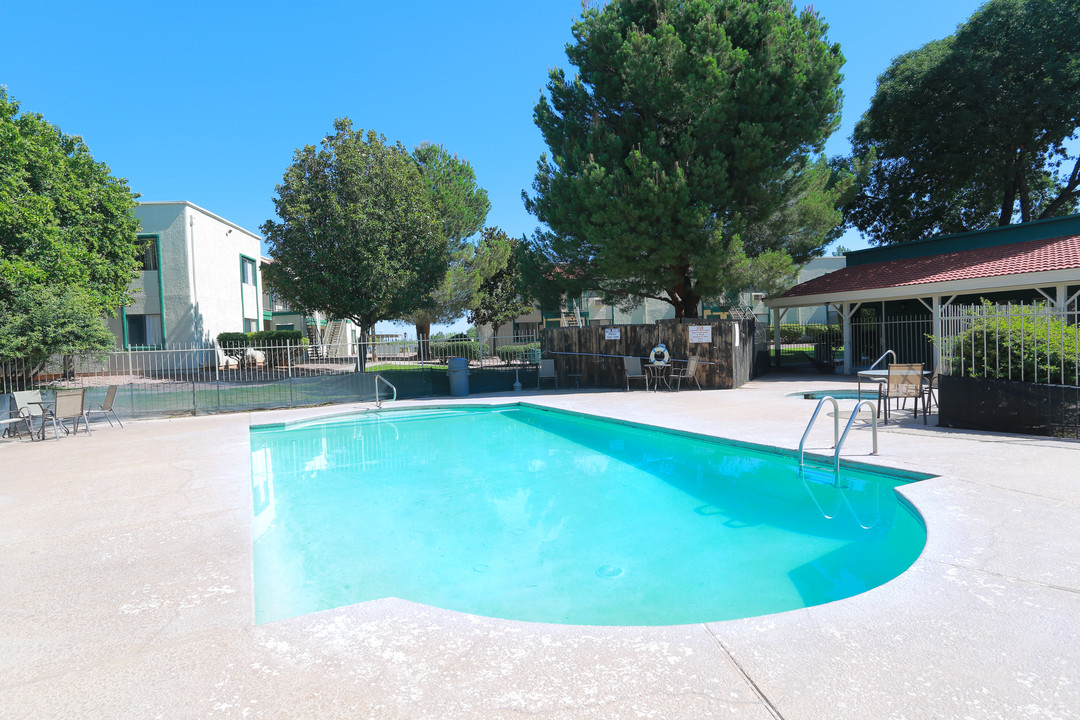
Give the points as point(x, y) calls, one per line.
point(255, 277)
point(974, 240)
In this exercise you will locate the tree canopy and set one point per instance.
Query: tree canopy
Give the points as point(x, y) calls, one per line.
point(357, 236)
point(68, 240)
point(687, 122)
point(461, 207)
point(971, 131)
point(500, 298)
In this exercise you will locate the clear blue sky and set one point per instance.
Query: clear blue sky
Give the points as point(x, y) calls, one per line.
point(206, 102)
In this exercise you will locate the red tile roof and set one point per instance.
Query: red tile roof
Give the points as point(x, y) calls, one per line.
point(1062, 253)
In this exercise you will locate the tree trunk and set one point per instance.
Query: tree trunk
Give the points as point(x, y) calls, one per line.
point(423, 340)
point(361, 352)
point(494, 335)
point(1008, 201)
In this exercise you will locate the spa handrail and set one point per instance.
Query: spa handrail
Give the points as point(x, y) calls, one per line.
point(887, 354)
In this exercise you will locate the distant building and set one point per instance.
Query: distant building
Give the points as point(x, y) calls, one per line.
point(590, 310)
point(200, 277)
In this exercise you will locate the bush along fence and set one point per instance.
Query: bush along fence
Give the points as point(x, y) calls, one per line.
point(729, 350)
point(1011, 368)
point(246, 372)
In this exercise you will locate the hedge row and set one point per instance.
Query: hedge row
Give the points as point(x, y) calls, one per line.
point(520, 351)
point(812, 333)
point(232, 340)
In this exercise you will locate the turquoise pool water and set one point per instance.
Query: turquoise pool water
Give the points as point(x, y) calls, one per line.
point(532, 514)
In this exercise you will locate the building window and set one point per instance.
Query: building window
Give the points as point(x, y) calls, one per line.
point(247, 271)
point(143, 330)
point(149, 256)
point(250, 325)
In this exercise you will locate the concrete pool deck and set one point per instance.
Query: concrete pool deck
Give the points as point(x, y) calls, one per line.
point(127, 592)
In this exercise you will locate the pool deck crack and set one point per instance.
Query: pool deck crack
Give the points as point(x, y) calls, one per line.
point(745, 675)
point(1006, 576)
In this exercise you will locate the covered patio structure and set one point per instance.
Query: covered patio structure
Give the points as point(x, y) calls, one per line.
point(1016, 263)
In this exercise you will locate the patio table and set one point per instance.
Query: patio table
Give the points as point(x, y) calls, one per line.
point(657, 372)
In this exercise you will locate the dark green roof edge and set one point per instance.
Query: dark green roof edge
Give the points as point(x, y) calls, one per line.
point(976, 239)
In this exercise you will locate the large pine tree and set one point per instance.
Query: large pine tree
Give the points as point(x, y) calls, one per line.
point(688, 122)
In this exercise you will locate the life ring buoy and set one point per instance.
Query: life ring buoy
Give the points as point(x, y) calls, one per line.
point(660, 350)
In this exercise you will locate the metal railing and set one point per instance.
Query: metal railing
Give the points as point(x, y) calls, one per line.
point(201, 379)
point(1036, 343)
point(838, 439)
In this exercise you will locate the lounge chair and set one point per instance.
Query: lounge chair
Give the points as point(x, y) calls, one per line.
point(687, 373)
point(903, 381)
point(632, 368)
point(106, 407)
point(547, 372)
point(71, 404)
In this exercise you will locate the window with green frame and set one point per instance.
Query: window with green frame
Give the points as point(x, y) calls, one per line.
point(148, 258)
point(247, 271)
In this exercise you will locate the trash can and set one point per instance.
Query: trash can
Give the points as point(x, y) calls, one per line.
point(458, 372)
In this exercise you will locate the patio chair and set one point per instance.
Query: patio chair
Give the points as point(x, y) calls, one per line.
point(632, 368)
point(10, 419)
point(547, 372)
point(904, 381)
point(106, 407)
point(930, 390)
point(71, 405)
point(687, 373)
point(29, 404)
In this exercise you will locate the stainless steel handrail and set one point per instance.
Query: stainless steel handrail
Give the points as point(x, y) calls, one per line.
point(836, 424)
point(380, 378)
point(887, 354)
point(847, 429)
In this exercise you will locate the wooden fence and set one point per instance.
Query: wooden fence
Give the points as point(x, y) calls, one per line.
point(594, 354)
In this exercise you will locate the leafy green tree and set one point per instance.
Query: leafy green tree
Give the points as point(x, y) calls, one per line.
point(460, 206)
point(499, 299)
point(971, 131)
point(357, 236)
point(68, 240)
point(688, 121)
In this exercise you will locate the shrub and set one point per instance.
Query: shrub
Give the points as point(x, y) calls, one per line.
point(459, 345)
point(817, 333)
point(1025, 342)
point(520, 351)
point(790, 334)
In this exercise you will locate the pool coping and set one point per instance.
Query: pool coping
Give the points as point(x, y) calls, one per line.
point(128, 593)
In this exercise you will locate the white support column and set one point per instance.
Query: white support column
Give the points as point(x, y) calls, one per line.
point(936, 310)
point(779, 314)
point(1062, 301)
point(847, 312)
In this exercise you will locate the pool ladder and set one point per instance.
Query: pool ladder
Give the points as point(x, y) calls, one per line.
point(838, 439)
point(381, 379)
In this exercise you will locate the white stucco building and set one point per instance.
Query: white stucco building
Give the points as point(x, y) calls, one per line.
point(200, 278)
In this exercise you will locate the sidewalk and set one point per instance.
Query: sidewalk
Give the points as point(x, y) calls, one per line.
point(126, 566)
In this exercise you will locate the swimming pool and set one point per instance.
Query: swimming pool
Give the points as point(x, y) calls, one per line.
point(528, 513)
